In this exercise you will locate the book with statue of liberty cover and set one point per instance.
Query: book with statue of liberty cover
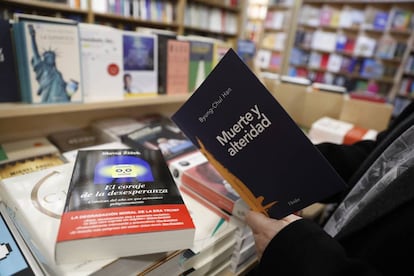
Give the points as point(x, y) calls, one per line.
point(253, 142)
point(48, 60)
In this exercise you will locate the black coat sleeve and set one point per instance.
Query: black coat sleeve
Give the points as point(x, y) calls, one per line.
point(346, 159)
point(303, 248)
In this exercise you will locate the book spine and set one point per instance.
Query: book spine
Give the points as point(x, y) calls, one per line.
point(8, 74)
point(23, 65)
point(209, 194)
point(188, 191)
point(162, 65)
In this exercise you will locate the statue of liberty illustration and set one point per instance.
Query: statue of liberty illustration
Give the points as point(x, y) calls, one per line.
point(52, 87)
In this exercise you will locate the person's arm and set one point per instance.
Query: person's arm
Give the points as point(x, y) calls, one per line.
point(296, 246)
point(346, 159)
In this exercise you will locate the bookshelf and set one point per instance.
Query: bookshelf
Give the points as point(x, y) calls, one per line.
point(276, 39)
point(25, 120)
point(195, 17)
point(365, 44)
point(30, 120)
point(255, 15)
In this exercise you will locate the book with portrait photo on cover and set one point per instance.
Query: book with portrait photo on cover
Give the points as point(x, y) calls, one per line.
point(122, 202)
point(253, 142)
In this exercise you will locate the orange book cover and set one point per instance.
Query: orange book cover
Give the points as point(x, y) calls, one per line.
point(178, 62)
point(206, 181)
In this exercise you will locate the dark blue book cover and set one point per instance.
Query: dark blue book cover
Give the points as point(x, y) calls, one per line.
point(253, 142)
point(8, 75)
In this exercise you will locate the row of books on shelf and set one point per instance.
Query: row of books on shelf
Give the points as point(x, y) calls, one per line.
point(386, 47)
point(409, 66)
point(269, 60)
point(349, 83)
point(159, 11)
point(62, 61)
point(336, 63)
point(183, 212)
point(276, 19)
point(406, 87)
point(371, 17)
point(274, 41)
point(212, 19)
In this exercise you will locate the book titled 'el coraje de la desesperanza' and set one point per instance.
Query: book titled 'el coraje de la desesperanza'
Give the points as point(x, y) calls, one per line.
point(122, 202)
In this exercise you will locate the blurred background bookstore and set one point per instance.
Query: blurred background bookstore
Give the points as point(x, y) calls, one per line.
point(78, 73)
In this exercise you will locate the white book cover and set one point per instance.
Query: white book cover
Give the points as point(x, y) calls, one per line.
point(215, 21)
point(324, 41)
point(50, 54)
point(275, 19)
point(116, 127)
point(263, 57)
point(327, 129)
point(36, 202)
point(345, 19)
point(315, 60)
point(334, 63)
point(140, 64)
point(365, 46)
point(101, 49)
point(25, 148)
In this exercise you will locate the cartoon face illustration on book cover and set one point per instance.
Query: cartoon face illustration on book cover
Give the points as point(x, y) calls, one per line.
point(54, 57)
point(119, 178)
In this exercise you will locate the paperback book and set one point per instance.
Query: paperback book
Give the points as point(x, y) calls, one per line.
point(195, 173)
point(48, 61)
point(163, 52)
point(214, 237)
point(200, 63)
point(27, 156)
point(72, 139)
point(121, 197)
point(140, 64)
point(178, 63)
point(253, 143)
point(15, 257)
point(8, 75)
point(35, 202)
point(160, 134)
point(101, 51)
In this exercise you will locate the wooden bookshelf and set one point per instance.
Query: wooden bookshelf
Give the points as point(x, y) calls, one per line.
point(314, 18)
point(277, 37)
point(93, 11)
point(24, 120)
point(19, 120)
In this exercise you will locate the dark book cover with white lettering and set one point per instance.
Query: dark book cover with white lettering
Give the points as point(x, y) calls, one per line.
point(253, 142)
point(122, 203)
point(8, 74)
